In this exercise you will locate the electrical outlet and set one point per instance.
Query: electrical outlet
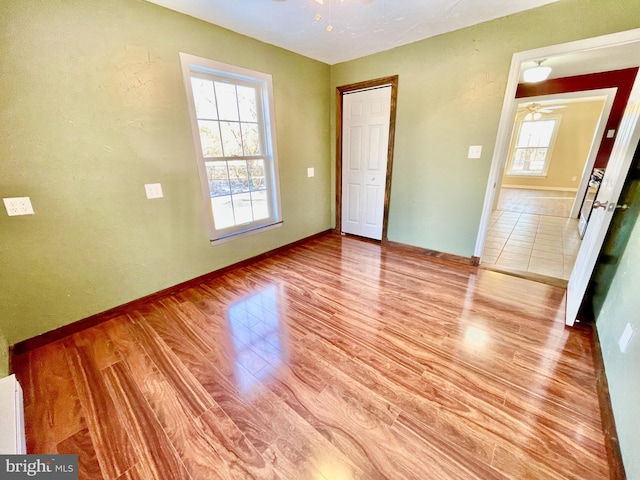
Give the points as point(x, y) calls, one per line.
point(573, 179)
point(310, 172)
point(154, 190)
point(18, 206)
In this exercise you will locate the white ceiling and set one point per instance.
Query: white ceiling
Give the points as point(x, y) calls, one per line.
point(360, 27)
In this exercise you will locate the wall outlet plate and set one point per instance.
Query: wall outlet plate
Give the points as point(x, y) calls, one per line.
point(310, 172)
point(475, 151)
point(18, 206)
point(154, 190)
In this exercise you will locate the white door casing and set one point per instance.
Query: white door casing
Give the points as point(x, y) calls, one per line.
point(608, 195)
point(365, 137)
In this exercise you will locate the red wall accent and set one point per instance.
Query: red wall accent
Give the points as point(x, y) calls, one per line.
point(622, 79)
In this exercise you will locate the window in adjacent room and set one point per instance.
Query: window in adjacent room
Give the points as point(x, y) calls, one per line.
point(532, 151)
point(234, 134)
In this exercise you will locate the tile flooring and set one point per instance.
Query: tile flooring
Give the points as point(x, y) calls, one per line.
point(530, 243)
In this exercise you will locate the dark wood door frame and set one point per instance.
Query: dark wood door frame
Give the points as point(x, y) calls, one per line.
point(340, 92)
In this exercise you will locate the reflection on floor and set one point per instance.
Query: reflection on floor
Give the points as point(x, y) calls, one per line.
point(255, 331)
point(524, 238)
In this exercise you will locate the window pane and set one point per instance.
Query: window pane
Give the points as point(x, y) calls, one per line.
point(222, 212)
point(518, 162)
point(537, 161)
point(231, 138)
point(251, 139)
point(260, 205)
point(256, 174)
point(230, 109)
point(227, 101)
point(210, 138)
point(529, 160)
point(247, 103)
point(238, 176)
point(204, 99)
point(536, 134)
point(242, 208)
point(218, 179)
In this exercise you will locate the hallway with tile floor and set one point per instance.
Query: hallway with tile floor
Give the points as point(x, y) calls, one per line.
point(531, 244)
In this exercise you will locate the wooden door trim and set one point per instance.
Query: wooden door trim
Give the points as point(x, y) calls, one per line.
point(340, 92)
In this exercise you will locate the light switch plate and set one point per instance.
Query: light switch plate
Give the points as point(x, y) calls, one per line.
point(154, 190)
point(611, 133)
point(18, 206)
point(625, 338)
point(475, 151)
point(310, 172)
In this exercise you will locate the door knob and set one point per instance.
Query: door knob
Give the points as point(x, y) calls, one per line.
point(598, 204)
point(623, 207)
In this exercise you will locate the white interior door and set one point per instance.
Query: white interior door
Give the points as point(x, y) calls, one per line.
point(365, 141)
point(608, 195)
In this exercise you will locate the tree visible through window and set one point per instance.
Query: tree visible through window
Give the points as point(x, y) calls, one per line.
point(531, 152)
point(231, 111)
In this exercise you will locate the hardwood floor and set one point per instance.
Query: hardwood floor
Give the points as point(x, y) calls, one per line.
point(339, 359)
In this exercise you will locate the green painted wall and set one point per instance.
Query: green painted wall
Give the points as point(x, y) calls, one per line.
point(4, 356)
point(450, 95)
point(621, 306)
point(92, 107)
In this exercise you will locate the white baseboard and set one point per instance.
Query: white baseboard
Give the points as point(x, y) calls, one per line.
point(552, 189)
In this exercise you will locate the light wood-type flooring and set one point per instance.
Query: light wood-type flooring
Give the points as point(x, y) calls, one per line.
point(336, 360)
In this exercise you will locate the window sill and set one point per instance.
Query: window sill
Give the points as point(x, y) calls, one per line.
point(245, 233)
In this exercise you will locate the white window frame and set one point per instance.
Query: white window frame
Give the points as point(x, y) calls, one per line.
point(199, 67)
point(548, 156)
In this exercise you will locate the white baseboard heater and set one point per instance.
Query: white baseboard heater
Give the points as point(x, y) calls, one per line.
point(12, 440)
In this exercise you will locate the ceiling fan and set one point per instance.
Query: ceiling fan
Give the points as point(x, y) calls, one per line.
point(535, 110)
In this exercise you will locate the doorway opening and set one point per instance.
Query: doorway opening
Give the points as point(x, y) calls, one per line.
point(594, 56)
point(534, 229)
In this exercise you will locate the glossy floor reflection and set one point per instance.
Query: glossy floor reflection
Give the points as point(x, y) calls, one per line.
point(256, 330)
point(338, 359)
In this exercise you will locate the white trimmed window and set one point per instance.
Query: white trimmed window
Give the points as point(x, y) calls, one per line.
point(233, 125)
point(532, 150)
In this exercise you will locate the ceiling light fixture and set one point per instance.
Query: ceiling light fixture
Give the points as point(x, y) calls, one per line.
point(534, 113)
point(318, 16)
point(537, 73)
point(533, 116)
